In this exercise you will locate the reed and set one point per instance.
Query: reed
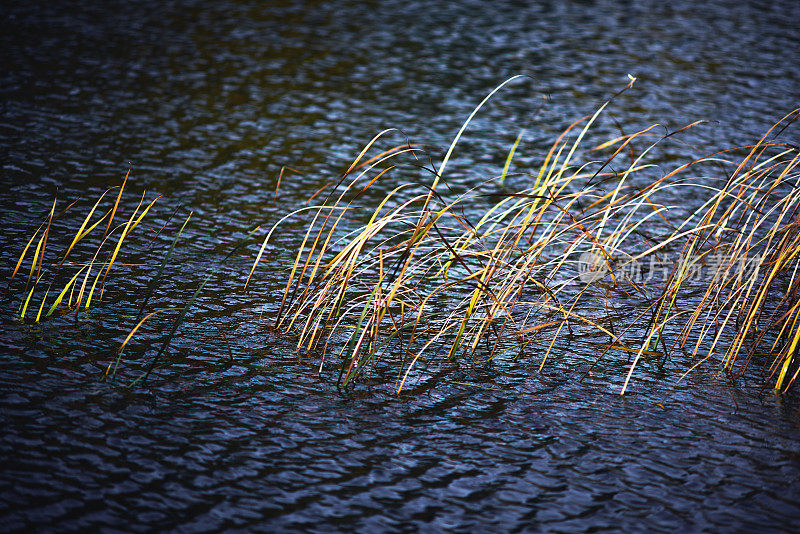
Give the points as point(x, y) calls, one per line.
point(400, 270)
point(85, 287)
point(747, 233)
point(426, 272)
point(87, 271)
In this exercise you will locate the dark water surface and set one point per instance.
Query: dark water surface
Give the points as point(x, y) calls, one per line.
point(206, 102)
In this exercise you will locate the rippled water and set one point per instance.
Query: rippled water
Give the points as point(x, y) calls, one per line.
point(206, 102)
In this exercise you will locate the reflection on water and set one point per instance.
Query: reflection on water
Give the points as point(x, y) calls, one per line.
point(207, 102)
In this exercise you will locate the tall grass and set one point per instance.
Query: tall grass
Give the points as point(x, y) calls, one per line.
point(80, 273)
point(407, 270)
point(748, 231)
point(86, 285)
point(426, 271)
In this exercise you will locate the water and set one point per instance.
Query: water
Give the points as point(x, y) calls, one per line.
point(206, 103)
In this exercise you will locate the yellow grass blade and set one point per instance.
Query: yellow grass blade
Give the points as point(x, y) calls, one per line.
point(130, 335)
point(24, 251)
point(63, 292)
point(511, 156)
point(80, 233)
point(25, 305)
point(116, 203)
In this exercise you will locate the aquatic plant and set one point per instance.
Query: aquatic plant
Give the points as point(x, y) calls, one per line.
point(85, 266)
point(748, 231)
point(407, 270)
point(424, 270)
point(87, 285)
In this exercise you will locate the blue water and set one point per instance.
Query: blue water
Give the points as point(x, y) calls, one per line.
point(205, 102)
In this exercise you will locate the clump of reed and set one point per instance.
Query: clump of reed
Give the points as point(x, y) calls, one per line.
point(425, 271)
point(77, 277)
point(80, 273)
point(746, 234)
point(85, 277)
